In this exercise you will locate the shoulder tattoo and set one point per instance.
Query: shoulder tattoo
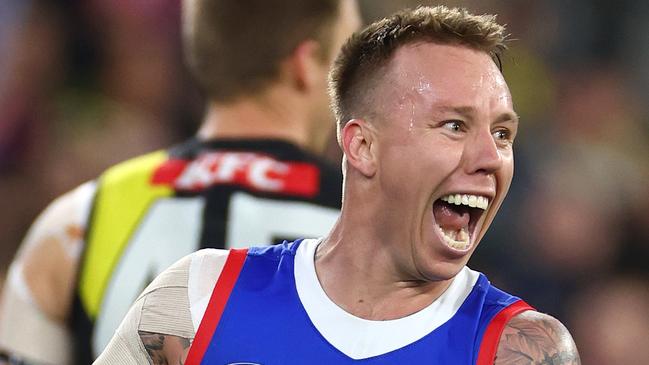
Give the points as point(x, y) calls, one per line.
point(165, 349)
point(533, 338)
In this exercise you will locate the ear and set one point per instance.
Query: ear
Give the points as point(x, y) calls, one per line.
point(358, 138)
point(305, 66)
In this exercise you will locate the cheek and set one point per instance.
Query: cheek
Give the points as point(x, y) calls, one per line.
point(419, 158)
point(422, 171)
point(506, 173)
point(442, 159)
point(401, 175)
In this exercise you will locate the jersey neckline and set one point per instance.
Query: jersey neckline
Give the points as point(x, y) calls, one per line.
point(360, 338)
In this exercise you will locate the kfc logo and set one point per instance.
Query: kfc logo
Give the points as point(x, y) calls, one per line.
point(252, 170)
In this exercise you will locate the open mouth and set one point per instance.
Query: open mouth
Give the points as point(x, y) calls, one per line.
point(457, 215)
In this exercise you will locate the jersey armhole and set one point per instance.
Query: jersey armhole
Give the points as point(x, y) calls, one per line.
point(491, 337)
point(217, 303)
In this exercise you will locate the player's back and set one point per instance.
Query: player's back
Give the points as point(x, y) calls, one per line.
point(150, 211)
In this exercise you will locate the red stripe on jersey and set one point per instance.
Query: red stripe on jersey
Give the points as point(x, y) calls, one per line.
point(254, 171)
point(216, 306)
point(491, 338)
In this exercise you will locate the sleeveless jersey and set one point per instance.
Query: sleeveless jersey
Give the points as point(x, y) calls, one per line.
point(257, 316)
point(151, 211)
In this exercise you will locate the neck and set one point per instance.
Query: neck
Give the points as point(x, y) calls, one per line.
point(360, 268)
point(270, 116)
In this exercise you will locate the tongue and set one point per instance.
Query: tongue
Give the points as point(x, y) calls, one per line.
point(451, 217)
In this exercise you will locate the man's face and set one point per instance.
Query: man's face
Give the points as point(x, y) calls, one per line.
point(444, 127)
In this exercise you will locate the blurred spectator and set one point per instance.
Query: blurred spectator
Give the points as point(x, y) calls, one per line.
point(30, 70)
point(84, 85)
point(611, 322)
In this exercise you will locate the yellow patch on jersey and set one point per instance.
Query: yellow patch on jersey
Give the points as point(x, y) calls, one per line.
point(124, 195)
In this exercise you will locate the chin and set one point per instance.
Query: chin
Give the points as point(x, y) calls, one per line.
point(442, 267)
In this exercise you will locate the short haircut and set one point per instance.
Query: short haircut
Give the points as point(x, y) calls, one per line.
point(365, 54)
point(235, 47)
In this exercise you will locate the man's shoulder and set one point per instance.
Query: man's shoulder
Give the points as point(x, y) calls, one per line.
point(494, 299)
point(199, 269)
point(61, 225)
point(206, 263)
point(135, 167)
point(71, 206)
point(538, 338)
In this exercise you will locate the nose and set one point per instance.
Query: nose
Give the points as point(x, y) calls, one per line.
point(481, 154)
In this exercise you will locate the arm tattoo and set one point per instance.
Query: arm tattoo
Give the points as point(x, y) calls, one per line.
point(165, 349)
point(533, 338)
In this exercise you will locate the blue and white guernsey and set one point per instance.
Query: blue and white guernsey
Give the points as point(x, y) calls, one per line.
point(268, 308)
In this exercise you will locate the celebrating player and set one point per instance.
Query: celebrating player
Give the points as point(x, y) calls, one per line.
point(427, 125)
point(250, 175)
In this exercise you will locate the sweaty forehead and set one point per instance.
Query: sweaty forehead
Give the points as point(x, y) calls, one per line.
point(452, 70)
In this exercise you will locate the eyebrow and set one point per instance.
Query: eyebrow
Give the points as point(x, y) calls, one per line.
point(469, 111)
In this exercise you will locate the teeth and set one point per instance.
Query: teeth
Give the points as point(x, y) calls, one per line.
point(473, 201)
point(456, 239)
point(483, 202)
point(463, 235)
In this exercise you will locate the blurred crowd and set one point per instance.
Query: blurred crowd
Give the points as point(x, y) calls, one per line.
point(85, 84)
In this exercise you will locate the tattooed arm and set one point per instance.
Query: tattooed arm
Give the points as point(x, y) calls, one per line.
point(534, 338)
point(165, 349)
